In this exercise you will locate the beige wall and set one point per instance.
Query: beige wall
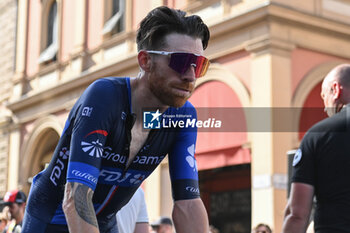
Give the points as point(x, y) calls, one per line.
point(7, 70)
point(33, 37)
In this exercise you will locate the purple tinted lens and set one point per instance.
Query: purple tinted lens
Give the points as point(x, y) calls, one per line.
point(180, 62)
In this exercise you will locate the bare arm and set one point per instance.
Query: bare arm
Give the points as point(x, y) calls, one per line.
point(141, 227)
point(190, 216)
point(297, 213)
point(78, 208)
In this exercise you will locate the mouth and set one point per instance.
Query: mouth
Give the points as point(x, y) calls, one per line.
point(182, 92)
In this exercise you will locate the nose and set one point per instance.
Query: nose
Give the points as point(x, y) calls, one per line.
point(190, 74)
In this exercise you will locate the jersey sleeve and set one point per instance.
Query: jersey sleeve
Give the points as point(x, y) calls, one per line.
point(182, 162)
point(304, 160)
point(92, 120)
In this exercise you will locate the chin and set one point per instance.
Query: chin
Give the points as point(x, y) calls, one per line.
point(177, 103)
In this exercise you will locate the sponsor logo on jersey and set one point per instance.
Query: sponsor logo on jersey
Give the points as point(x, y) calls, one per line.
point(137, 179)
point(190, 158)
point(149, 159)
point(59, 166)
point(151, 120)
point(192, 189)
point(118, 158)
point(115, 157)
point(99, 131)
point(64, 153)
point(130, 178)
point(95, 148)
point(297, 157)
point(123, 116)
point(84, 175)
point(87, 111)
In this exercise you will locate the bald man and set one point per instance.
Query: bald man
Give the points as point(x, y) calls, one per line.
point(321, 165)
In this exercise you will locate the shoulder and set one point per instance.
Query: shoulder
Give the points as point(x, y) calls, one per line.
point(326, 128)
point(108, 83)
point(322, 135)
point(100, 87)
point(335, 123)
point(105, 89)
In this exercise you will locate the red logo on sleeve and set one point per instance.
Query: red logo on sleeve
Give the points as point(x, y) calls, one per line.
point(99, 131)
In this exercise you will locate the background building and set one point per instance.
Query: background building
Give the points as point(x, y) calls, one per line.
point(265, 55)
point(8, 15)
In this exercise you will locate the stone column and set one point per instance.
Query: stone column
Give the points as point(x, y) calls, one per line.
point(18, 80)
point(270, 90)
point(13, 162)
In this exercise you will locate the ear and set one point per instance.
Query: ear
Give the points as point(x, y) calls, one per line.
point(144, 60)
point(337, 89)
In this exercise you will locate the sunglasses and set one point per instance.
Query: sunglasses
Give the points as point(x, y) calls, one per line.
point(181, 62)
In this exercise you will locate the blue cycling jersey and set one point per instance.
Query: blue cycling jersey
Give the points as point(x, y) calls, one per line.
point(94, 150)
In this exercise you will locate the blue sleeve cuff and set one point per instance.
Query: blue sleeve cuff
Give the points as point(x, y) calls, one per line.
point(83, 173)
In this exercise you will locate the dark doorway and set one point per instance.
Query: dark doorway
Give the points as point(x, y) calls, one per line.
point(226, 193)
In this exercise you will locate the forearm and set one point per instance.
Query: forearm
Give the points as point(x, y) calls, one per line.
point(78, 209)
point(190, 216)
point(298, 209)
point(293, 224)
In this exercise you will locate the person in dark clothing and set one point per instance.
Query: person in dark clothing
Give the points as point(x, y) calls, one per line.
point(321, 164)
point(106, 152)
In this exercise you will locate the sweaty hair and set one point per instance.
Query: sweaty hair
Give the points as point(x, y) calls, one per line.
point(163, 21)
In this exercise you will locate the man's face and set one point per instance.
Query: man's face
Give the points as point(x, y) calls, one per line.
point(170, 87)
point(14, 210)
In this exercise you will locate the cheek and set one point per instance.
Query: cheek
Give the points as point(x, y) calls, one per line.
point(158, 81)
point(330, 101)
point(326, 101)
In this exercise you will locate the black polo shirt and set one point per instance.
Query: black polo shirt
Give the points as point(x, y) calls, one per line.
point(323, 161)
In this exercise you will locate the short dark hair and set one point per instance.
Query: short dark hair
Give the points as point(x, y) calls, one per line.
point(163, 21)
point(263, 225)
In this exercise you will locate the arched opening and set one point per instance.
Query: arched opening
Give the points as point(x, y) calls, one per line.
point(312, 111)
point(223, 156)
point(224, 146)
point(307, 99)
point(38, 149)
point(43, 149)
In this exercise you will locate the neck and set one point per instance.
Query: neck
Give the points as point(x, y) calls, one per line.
point(142, 96)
